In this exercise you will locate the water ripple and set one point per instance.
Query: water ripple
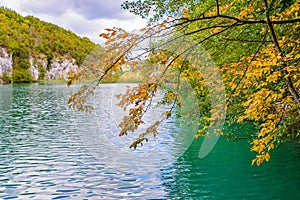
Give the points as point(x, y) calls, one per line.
point(50, 152)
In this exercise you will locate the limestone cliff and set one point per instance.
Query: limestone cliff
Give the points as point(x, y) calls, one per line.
point(32, 49)
point(58, 68)
point(5, 62)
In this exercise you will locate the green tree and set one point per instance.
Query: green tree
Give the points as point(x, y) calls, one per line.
point(21, 76)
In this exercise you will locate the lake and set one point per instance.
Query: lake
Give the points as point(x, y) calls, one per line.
point(51, 152)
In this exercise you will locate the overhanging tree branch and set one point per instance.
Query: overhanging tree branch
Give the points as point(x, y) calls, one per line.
point(245, 71)
point(241, 21)
point(289, 82)
point(241, 40)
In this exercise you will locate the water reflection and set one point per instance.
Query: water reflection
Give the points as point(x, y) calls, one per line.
point(226, 173)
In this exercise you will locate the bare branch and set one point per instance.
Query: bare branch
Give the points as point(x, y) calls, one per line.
point(241, 21)
point(241, 40)
point(218, 8)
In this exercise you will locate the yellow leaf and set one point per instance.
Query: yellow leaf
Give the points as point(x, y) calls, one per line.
point(185, 10)
point(185, 15)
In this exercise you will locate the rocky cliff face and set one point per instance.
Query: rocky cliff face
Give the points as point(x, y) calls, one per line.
point(57, 69)
point(5, 62)
point(60, 68)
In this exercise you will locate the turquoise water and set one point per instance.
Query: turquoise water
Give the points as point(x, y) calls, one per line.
point(50, 152)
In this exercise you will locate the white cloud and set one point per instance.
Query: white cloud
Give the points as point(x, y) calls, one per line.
point(92, 28)
point(86, 18)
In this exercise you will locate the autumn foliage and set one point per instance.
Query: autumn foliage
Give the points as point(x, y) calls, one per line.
point(255, 46)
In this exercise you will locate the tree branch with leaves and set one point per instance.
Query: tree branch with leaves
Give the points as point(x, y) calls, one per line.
point(254, 44)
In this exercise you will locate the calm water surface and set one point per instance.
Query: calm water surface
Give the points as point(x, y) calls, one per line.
point(50, 152)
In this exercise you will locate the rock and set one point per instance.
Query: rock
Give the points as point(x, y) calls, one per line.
point(34, 69)
point(6, 62)
point(58, 68)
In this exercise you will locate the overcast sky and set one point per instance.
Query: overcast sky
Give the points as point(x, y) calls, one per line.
point(86, 18)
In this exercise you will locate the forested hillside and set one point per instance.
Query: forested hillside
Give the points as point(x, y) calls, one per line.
point(25, 37)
